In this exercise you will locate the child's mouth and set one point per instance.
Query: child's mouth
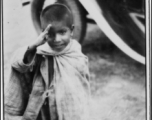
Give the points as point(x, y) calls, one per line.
point(58, 44)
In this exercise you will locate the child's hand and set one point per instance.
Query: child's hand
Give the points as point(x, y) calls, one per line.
point(41, 38)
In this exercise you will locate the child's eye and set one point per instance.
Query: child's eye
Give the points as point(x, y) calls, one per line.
point(51, 35)
point(62, 32)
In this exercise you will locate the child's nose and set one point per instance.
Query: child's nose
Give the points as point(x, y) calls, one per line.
point(57, 38)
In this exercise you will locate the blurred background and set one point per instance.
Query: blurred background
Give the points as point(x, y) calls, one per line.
point(117, 81)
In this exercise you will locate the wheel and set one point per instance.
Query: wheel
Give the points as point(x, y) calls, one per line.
point(126, 17)
point(77, 11)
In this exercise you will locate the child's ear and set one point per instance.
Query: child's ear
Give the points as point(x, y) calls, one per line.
point(72, 29)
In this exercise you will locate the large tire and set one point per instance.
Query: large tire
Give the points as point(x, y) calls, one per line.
point(77, 11)
point(117, 14)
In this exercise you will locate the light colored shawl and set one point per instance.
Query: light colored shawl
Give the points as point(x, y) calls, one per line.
point(71, 79)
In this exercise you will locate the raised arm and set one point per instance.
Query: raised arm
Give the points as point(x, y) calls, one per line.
point(24, 58)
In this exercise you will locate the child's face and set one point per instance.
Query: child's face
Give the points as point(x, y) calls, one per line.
point(58, 36)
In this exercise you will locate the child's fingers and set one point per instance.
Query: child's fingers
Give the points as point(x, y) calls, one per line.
point(45, 33)
point(48, 27)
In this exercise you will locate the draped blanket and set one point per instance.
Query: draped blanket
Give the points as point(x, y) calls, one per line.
point(70, 81)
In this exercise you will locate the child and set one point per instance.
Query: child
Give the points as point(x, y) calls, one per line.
point(49, 78)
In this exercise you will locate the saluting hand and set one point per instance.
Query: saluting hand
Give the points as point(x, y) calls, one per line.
point(41, 38)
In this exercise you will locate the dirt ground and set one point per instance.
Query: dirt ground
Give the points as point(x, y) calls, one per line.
point(117, 82)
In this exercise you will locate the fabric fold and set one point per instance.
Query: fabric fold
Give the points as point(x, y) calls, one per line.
point(71, 88)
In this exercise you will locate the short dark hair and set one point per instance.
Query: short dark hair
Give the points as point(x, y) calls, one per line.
point(57, 12)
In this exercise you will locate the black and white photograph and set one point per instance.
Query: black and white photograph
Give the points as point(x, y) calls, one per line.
point(75, 59)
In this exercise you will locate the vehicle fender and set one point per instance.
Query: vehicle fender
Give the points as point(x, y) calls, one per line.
point(94, 10)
